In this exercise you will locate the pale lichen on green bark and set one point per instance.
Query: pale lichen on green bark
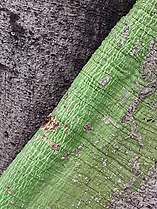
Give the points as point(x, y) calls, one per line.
point(85, 151)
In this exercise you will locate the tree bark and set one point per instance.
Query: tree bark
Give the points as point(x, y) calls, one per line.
point(43, 46)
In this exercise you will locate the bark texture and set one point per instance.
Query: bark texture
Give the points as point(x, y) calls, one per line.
point(43, 46)
point(98, 149)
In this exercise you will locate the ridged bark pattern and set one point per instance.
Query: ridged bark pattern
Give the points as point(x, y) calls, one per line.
point(101, 138)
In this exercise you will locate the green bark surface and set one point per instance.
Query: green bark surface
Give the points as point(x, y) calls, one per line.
point(102, 136)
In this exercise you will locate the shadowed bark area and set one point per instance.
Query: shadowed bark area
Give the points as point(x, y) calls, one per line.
point(43, 46)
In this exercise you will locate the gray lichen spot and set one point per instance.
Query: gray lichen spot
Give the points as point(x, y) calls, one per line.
point(136, 49)
point(136, 172)
point(130, 183)
point(88, 127)
point(80, 147)
point(54, 146)
point(125, 33)
point(78, 204)
point(74, 180)
point(87, 180)
point(136, 165)
point(103, 162)
point(96, 142)
point(106, 119)
point(22, 205)
point(10, 192)
point(129, 113)
point(149, 71)
point(144, 197)
point(153, 104)
point(150, 62)
point(135, 134)
point(148, 90)
point(97, 199)
point(12, 202)
point(104, 81)
point(64, 157)
point(115, 35)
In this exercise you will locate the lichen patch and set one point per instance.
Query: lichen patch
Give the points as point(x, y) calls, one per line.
point(136, 172)
point(88, 127)
point(125, 33)
point(129, 113)
point(65, 96)
point(64, 157)
point(148, 90)
point(54, 146)
point(135, 134)
point(104, 80)
point(149, 65)
point(150, 61)
point(106, 119)
point(136, 165)
point(136, 49)
point(153, 104)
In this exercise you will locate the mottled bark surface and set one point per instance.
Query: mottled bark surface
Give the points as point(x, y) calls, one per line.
point(43, 46)
point(144, 198)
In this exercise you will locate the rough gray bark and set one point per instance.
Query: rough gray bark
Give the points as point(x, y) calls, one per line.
point(144, 198)
point(43, 46)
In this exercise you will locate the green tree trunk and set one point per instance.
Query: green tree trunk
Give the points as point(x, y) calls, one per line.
point(43, 46)
point(101, 138)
